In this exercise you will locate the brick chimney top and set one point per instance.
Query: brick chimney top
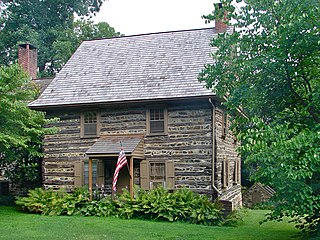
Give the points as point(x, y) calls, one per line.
point(220, 25)
point(27, 58)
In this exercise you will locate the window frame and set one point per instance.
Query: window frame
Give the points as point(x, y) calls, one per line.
point(82, 124)
point(145, 169)
point(164, 176)
point(165, 120)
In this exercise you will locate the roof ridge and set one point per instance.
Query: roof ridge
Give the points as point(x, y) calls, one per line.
point(151, 33)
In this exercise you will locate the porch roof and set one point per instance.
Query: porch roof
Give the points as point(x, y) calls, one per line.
point(110, 146)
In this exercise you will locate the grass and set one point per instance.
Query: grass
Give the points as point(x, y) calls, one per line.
point(16, 225)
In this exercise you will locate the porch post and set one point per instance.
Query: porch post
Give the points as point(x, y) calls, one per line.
point(90, 178)
point(131, 176)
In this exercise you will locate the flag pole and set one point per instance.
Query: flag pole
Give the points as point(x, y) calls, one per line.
point(131, 177)
point(122, 160)
point(130, 170)
point(127, 162)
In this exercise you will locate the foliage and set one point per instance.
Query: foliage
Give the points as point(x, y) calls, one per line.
point(268, 69)
point(235, 218)
point(20, 127)
point(181, 205)
point(51, 202)
point(157, 204)
point(42, 23)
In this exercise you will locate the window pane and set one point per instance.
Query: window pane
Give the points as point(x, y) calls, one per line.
point(89, 124)
point(156, 126)
point(157, 114)
point(157, 121)
point(157, 184)
point(86, 173)
point(161, 115)
point(90, 117)
point(90, 129)
point(157, 172)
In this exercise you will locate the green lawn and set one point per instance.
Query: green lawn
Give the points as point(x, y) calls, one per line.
point(16, 225)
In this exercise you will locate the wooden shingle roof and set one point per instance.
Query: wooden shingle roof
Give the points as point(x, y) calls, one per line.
point(133, 68)
point(110, 145)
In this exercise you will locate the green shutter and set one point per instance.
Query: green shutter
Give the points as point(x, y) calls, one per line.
point(144, 175)
point(78, 174)
point(170, 174)
point(100, 172)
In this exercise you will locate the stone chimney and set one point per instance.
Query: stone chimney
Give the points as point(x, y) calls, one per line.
point(27, 58)
point(220, 25)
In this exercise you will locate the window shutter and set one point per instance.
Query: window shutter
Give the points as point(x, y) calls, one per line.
point(144, 175)
point(239, 171)
point(228, 171)
point(78, 174)
point(224, 124)
point(170, 174)
point(100, 172)
point(224, 173)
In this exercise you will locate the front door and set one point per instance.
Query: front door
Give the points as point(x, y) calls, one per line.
point(123, 180)
point(123, 177)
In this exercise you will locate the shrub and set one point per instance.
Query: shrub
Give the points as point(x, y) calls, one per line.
point(157, 204)
point(235, 218)
point(160, 204)
point(51, 202)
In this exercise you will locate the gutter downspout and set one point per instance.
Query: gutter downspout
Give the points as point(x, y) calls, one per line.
point(213, 146)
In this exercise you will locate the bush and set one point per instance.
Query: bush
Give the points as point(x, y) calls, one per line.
point(235, 218)
point(157, 204)
point(51, 202)
point(181, 205)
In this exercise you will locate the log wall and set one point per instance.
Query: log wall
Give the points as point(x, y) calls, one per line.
point(188, 143)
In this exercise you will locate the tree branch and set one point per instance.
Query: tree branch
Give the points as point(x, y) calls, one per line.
point(310, 108)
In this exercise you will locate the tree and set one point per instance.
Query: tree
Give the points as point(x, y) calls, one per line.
point(21, 129)
point(269, 70)
point(39, 22)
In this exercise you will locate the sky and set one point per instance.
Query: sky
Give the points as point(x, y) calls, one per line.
point(131, 17)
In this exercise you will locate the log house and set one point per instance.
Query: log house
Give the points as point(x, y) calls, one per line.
point(142, 91)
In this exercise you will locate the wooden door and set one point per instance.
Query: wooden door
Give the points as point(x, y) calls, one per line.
point(123, 180)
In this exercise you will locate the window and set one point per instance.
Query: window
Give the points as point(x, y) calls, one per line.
point(81, 173)
point(86, 173)
point(224, 124)
point(154, 174)
point(157, 174)
point(89, 124)
point(157, 121)
point(237, 172)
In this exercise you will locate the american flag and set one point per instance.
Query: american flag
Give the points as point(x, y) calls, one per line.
point(122, 160)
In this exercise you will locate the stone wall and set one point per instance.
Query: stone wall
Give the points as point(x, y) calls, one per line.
point(62, 149)
point(226, 145)
point(188, 143)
